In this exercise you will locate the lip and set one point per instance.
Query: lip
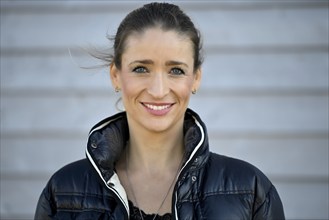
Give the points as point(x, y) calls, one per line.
point(157, 109)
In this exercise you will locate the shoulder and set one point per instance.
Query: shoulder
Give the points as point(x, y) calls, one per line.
point(75, 191)
point(76, 165)
point(234, 165)
point(235, 183)
point(232, 176)
point(234, 173)
point(75, 168)
point(72, 175)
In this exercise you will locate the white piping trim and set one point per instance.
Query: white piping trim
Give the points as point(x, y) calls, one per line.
point(192, 154)
point(117, 187)
point(101, 126)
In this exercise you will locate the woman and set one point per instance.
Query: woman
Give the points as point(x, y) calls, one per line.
point(153, 161)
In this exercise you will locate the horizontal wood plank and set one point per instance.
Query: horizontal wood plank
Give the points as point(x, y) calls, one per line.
point(85, 7)
point(265, 72)
point(304, 201)
point(263, 114)
point(19, 198)
point(282, 159)
point(263, 28)
point(41, 157)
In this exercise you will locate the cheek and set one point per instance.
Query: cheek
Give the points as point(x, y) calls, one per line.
point(128, 94)
point(183, 89)
point(128, 87)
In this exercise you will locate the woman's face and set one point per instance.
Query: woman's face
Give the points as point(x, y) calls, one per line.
point(156, 79)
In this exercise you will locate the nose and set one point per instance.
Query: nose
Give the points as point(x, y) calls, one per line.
point(158, 85)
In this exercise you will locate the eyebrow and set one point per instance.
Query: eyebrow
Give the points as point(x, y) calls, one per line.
point(175, 63)
point(168, 63)
point(142, 62)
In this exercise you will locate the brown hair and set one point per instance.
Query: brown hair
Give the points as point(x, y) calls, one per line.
point(164, 15)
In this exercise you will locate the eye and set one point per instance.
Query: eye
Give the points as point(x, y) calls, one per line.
point(140, 69)
point(177, 71)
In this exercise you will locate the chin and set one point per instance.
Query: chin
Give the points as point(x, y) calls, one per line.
point(156, 125)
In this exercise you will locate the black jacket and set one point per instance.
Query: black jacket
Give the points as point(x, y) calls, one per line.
point(210, 186)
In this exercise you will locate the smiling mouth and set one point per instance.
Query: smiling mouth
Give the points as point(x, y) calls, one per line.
point(157, 107)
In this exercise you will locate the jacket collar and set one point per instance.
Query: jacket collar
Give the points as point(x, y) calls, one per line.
point(107, 139)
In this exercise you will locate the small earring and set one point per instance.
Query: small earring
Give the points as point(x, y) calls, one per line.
point(117, 89)
point(194, 91)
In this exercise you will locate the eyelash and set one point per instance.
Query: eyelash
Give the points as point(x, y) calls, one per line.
point(174, 71)
point(180, 71)
point(139, 68)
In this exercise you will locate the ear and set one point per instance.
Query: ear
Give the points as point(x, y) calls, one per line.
point(115, 76)
point(197, 79)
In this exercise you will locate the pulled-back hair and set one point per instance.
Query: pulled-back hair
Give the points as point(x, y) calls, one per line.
point(163, 15)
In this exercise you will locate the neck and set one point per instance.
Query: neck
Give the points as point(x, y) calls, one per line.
point(155, 152)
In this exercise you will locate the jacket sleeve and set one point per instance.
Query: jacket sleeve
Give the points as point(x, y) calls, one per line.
point(270, 208)
point(45, 207)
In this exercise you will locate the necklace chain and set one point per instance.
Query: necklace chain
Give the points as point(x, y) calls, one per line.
point(133, 193)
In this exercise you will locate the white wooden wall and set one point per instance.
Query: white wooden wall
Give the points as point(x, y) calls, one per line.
point(264, 94)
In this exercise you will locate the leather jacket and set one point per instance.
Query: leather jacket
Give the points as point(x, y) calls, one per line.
point(209, 186)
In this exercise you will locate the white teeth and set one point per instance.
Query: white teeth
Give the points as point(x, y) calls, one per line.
point(156, 107)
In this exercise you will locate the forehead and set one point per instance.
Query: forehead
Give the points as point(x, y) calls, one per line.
point(155, 41)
